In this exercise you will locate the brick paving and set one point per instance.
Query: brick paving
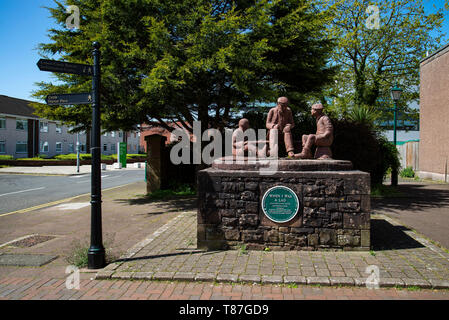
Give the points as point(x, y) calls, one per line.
point(53, 289)
point(170, 254)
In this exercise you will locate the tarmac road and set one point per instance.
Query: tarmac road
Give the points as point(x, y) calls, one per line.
point(23, 191)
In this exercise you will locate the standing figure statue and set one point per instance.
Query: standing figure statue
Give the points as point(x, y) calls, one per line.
point(322, 139)
point(281, 118)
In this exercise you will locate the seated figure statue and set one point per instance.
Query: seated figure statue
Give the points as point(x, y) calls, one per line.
point(280, 118)
point(322, 139)
point(242, 146)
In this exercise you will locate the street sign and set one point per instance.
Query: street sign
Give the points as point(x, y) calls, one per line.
point(280, 204)
point(68, 98)
point(65, 67)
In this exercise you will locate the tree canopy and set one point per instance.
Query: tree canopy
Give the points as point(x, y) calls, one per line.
point(186, 60)
point(373, 57)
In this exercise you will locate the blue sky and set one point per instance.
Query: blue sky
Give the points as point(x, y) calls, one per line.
point(24, 24)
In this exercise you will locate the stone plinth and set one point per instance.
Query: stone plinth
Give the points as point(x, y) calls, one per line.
point(334, 206)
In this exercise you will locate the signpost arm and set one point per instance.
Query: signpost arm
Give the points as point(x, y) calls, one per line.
point(96, 253)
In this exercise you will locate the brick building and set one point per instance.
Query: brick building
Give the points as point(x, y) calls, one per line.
point(434, 120)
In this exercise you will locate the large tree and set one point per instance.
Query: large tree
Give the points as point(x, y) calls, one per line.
point(375, 55)
point(191, 60)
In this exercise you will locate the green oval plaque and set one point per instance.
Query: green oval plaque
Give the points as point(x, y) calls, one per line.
point(280, 204)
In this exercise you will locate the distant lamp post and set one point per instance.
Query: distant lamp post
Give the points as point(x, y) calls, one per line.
point(396, 93)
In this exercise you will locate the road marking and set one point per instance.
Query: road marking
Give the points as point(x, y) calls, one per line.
point(50, 204)
point(72, 205)
point(80, 176)
point(5, 194)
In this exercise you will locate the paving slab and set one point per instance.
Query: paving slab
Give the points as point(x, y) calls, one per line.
point(25, 260)
point(401, 257)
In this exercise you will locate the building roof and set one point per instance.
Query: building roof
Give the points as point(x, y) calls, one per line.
point(436, 54)
point(16, 107)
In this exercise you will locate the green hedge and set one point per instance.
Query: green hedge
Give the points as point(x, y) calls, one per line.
point(72, 156)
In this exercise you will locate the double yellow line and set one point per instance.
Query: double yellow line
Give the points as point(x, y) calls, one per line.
point(50, 204)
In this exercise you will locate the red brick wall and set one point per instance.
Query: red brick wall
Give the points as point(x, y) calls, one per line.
point(434, 113)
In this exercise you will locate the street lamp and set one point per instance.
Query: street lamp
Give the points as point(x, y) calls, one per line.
point(395, 95)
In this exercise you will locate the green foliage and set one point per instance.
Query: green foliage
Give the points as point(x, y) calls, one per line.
point(242, 249)
point(174, 191)
point(77, 254)
point(372, 60)
point(183, 60)
point(383, 191)
point(366, 148)
point(72, 156)
point(6, 157)
point(407, 173)
point(363, 114)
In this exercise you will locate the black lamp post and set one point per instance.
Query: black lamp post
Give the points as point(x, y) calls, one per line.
point(395, 95)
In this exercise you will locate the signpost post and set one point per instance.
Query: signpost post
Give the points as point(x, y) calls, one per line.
point(96, 252)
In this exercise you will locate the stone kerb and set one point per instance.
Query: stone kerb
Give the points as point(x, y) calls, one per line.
point(333, 214)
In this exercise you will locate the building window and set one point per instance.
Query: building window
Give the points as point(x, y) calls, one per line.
point(2, 147)
point(82, 147)
point(113, 147)
point(58, 128)
point(2, 123)
point(44, 146)
point(43, 126)
point(58, 146)
point(21, 124)
point(71, 147)
point(105, 134)
point(113, 134)
point(120, 134)
point(105, 147)
point(21, 147)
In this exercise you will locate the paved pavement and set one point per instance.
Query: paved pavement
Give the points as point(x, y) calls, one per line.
point(64, 170)
point(23, 191)
point(401, 257)
point(423, 207)
point(152, 237)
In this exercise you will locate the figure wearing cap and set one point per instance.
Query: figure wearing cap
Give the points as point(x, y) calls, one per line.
point(281, 119)
point(323, 137)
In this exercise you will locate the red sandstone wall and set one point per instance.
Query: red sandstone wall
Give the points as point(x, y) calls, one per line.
point(434, 113)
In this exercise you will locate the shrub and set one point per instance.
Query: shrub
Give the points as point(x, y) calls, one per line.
point(6, 157)
point(407, 173)
point(366, 148)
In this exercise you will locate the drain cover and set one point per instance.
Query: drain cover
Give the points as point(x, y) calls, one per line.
point(30, 241)
point(25, 260)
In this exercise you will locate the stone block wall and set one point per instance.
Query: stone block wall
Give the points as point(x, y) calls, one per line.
point(334, 210)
